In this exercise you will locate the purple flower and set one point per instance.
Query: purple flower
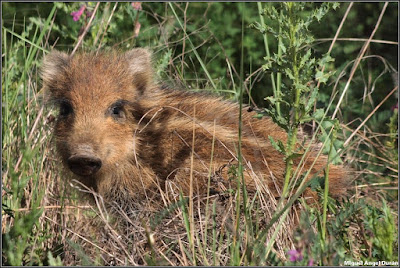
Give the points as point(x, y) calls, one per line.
point(77, 14)
point(295, 255)
point(310, 262)
point(137, 5)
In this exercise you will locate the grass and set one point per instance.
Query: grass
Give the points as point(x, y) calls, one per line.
point(45, 220)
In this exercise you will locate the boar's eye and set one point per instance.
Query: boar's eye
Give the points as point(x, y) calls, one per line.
point(65, 109)
point(117, 110)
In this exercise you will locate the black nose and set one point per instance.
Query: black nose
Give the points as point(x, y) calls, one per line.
point(84, 165)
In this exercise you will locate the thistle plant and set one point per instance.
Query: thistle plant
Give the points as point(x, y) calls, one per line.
point(297, 72)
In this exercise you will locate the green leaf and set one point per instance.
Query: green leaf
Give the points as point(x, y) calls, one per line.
point(293, 156)
point(289, 74)
point(335, 5)
point(278, 146)
point(322, 77)
point(318, 114)
point(311, 100)
point(305, 58)
point(326, 58)
point(282, 47)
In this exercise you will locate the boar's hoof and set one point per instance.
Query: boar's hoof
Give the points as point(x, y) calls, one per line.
point(84, 165)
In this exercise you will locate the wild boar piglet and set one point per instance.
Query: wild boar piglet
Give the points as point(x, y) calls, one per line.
point(121, 133)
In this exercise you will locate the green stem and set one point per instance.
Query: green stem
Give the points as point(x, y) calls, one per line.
point(289, 160)
point(279, 75)
point(292, 135)
point(275, 89)
point(326, 188)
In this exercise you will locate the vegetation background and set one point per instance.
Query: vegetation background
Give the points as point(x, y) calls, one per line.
point(202, 46)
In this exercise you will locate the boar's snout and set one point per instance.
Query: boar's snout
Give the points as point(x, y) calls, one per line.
point(84, 165)
point(84, 162)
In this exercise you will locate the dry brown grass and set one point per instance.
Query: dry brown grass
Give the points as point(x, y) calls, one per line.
point(111, 235)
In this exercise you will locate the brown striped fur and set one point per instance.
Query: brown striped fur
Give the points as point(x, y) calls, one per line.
point(149, 141)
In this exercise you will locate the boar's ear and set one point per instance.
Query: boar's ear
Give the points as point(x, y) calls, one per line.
point(139, 60)
point(53, 66)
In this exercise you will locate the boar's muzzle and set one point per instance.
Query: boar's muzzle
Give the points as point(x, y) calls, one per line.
point(84, 162)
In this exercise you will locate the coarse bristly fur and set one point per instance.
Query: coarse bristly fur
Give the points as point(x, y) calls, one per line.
point(122, 134)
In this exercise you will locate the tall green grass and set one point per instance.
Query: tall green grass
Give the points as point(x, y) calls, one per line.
point(24, 153)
